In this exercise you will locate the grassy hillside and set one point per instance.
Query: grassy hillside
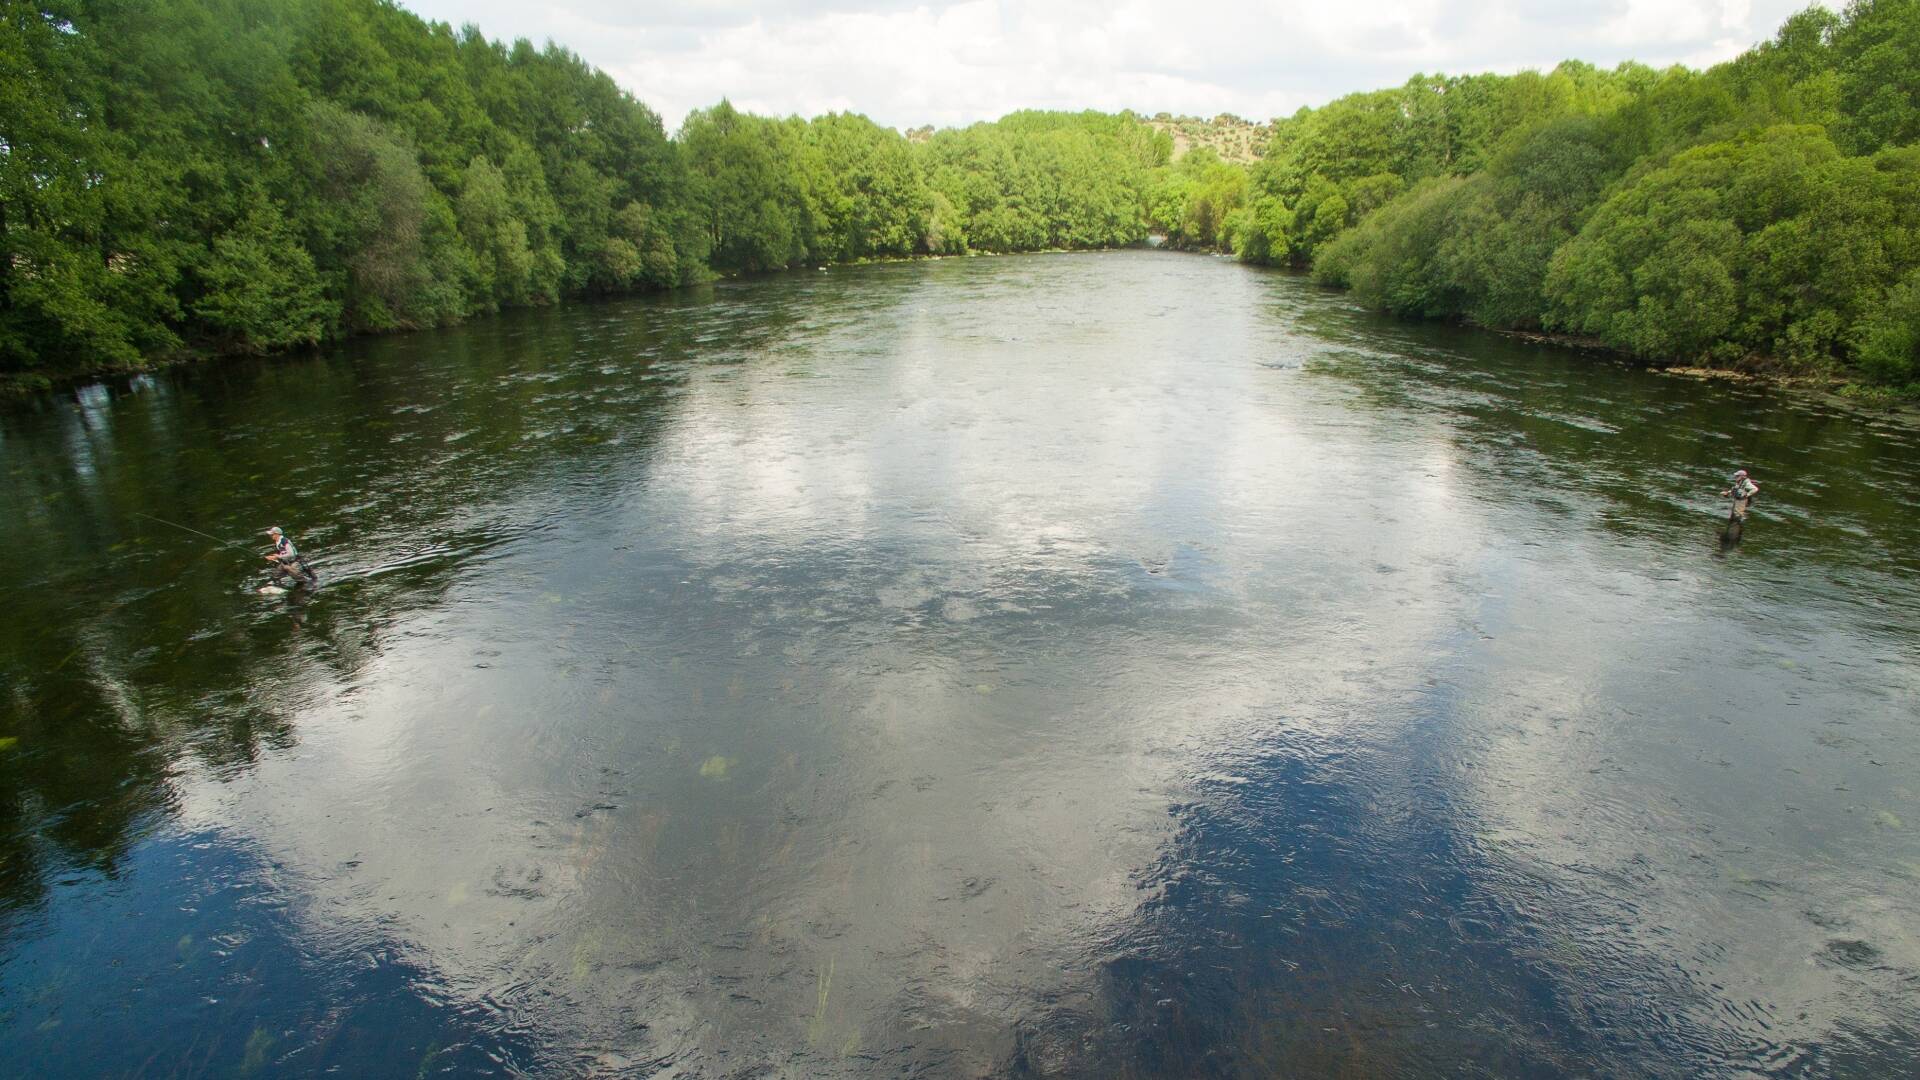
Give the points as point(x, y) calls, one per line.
point(1241, 142)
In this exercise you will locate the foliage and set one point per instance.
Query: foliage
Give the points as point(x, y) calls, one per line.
point(1477, 248)
point(1334, 166)
point(1772, 243)
point(1889, 346)
point(1037, 180)
point(252, 175)
point(1765, 212)
point(261, 285)
point(1192, 201)
point(755, 209)
point(1876, 56)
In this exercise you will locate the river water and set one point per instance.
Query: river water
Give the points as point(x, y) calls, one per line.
point(1106, 665)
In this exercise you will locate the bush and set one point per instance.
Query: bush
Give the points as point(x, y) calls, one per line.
point(1889, 340)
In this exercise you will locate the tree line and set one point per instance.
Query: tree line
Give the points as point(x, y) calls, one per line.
point(192, 176)
point(1764, 213)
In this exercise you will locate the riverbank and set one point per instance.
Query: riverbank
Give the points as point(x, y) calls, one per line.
point(18, 388)
point(1758, 371)
point(21, 388)
point(1856, 393)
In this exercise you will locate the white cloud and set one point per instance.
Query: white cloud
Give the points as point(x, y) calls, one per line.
point(906, 63)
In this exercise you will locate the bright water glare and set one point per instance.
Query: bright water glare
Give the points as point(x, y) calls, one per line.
point(1065, 666)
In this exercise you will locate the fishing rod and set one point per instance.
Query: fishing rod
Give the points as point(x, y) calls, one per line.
point(194, 531)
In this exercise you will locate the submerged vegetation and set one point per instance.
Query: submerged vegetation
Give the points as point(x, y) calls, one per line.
point(189, 176)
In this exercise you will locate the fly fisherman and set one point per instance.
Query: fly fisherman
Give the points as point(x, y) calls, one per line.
point(1741, 492)
point(287, 561)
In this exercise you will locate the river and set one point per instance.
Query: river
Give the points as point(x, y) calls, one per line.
point(1105, 665)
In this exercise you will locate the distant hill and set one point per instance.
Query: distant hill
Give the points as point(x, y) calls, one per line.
point(1242, 142)
point(1234, 139)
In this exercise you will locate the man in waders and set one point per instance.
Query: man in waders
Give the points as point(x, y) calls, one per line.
point(1741, 492)
point(288, 562)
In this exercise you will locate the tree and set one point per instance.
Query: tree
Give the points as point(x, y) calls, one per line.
point(1772, 244)
point(638, 252)
point(496, 237)
point(262, 287)
point(750, 203)
point(1877, 47)
point(1889, 338)
point(383, 224)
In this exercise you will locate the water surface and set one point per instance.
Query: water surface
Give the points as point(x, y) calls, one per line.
point(1085, 666)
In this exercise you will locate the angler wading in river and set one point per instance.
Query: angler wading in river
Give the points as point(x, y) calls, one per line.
point(288, 564)
point(1742, 492)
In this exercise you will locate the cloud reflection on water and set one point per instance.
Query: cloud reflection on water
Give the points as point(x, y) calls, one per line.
point(1075, 666)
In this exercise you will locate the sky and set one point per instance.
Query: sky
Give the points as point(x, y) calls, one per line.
point(907, 63)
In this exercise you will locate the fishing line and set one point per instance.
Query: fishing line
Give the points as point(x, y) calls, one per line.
point(194, 531)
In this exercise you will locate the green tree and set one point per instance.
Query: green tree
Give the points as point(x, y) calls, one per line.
point(750, 204)
point(383, 224)
point(1889, 338)
point(871, 191)
point(1772, 244)
point(1047, 180)
point(261, 286)
point(1877, 48)
point(638, 252)
point(496, 237)
point(1262, 231)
